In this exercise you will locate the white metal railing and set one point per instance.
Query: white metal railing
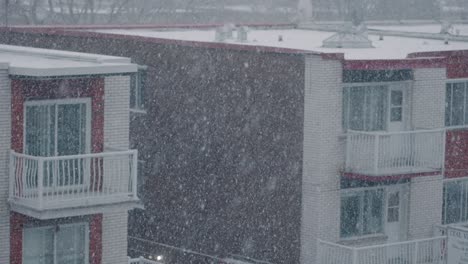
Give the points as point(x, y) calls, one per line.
point(378, 153)
point(142, 260)
point(51, 182)
point(332, 253)
point(422, 251)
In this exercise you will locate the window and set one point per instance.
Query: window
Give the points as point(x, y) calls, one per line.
point(137, 89)
point(62, 244)
point(393, 208)
point(396, 106)
point(57, 127)
point(365, 108)
point(456, 110)
point(362, 213)
point(455, 204)
point(141, 177)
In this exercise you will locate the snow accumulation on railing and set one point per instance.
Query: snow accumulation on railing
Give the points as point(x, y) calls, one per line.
point(141, 260)
point(427, 251)
point(72, 181)
point(386, 153)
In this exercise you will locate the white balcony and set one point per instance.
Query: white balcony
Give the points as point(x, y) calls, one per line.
point(142, 260)
point(51, 187)
point(422, 251)
point(395, 153)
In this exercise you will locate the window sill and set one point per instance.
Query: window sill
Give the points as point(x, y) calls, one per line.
point(364, 239)
point(137, 111)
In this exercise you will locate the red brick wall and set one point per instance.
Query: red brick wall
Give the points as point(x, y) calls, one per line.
point(23, 89)
point(58, 89)
point(17, 222)
point(456, 154)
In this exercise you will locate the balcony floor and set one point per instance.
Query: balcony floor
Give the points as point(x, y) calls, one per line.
point(56, 205)
point(388, 173)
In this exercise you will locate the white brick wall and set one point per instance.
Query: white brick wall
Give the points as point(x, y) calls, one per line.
point(5, 135)
point(116, 112)
point(114, 238)
point(323, 154)
point(425, 209)
point(429, 98)
point(116, 135)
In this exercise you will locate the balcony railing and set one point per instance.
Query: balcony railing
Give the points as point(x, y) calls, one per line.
point(52, 183)
point(388, 153)
point(423, 251)
point(142, 260)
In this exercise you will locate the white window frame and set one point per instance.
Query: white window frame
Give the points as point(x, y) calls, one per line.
point(138, 106)
point(68, 101)
point(86, 242)
point(465, 106)
point(388, 85)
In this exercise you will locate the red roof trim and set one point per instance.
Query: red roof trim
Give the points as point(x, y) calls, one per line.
point(357, 176)
point(436, 62)
point(438, 54)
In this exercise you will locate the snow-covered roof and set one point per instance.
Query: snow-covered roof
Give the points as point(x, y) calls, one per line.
point(391, 47)
point(26, 61)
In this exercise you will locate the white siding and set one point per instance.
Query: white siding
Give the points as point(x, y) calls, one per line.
point(429, 98)
point(425, 206)
point(5, 135)
point(425, 209)
point(323, 154)
point(116, 136)
point(114, 238)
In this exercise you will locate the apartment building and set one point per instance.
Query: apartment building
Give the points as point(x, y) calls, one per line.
point(292, 144)
point(68, 176)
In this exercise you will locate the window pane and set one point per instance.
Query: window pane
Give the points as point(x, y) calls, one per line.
point(40, 130)
point(345, 108)
point(373, 212)
point(397, 98)
point(458, 104)
point(376, 108)
point(38, 246)
point(133, 88)
point(393, 215)
point(71, 241)
point(137, 89)
point(394, 199)
point(71, 124)
point(448, 104)
point(350, 210)
point(452, 203)
point(366, 108)
point(356, 115)
point(396, 114)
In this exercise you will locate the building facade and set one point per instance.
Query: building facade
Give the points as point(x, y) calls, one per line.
point(288, 154)
point(68, 175)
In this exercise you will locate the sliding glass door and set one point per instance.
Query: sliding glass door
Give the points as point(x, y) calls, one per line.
point(61, 244)
point(58, 128)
